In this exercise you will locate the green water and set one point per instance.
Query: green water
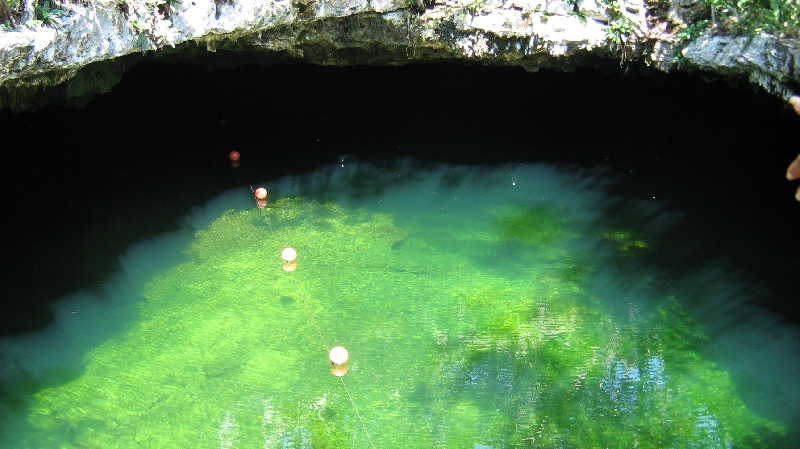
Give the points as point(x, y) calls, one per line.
point(471, 326)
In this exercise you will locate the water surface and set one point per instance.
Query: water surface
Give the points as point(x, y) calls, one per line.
point(516, 306)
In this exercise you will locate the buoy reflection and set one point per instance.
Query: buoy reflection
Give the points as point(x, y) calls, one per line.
point(339, 371)
point(289, 267)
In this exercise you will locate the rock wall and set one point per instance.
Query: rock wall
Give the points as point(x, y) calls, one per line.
point(83, 51)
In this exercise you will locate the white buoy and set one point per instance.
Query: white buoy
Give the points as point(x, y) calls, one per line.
point(289, 255)
point(338, 355)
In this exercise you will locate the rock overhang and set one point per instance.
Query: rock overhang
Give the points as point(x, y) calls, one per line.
point(95, 43)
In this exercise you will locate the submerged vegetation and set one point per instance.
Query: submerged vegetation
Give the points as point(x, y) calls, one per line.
point(451, 345)
point(540, 224)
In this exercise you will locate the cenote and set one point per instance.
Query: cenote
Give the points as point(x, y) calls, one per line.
point(512, 259)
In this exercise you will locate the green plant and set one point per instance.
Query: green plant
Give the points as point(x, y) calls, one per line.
point(141, 29)
point(149, 20)
point(44, 16)
point(621, 34)
point(688, 33)
point(576, 11)
point(475, 7)
point(749, 17)
point(49, 17)
point(691, 31)
point(618, 31)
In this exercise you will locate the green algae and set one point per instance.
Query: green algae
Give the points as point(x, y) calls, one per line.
point(539, 224)
point(230, 349)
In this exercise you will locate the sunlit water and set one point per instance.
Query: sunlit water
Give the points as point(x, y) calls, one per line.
point(482, 308)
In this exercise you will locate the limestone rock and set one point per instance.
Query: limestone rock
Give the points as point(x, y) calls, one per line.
point(766, 60)
point(687, 11)
point(86, 53)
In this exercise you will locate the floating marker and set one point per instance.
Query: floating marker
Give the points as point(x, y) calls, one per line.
point(338, 355)
point(289, 255)
point(261, 193)
point(234, 156)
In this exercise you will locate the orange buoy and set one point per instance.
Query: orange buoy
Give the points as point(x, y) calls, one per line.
point(234, 156)
point(261, 193)
point(338, 355)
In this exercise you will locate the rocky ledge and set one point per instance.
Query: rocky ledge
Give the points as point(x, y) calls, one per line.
point(70, 52)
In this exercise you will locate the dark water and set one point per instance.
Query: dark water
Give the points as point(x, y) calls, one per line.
point(79, 187)
point(140, 157)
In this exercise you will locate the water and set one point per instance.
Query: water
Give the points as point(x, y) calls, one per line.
point(481, 307)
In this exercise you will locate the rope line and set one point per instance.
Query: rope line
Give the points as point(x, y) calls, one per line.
point(308, 309)
point(316, 326)
point(347, 390)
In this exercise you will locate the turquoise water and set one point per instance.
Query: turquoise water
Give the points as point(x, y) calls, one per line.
point(504, 307)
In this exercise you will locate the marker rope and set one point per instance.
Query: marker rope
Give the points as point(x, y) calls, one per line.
point(316, 326)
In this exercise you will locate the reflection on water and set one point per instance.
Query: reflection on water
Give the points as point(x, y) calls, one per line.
point(481, 308)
